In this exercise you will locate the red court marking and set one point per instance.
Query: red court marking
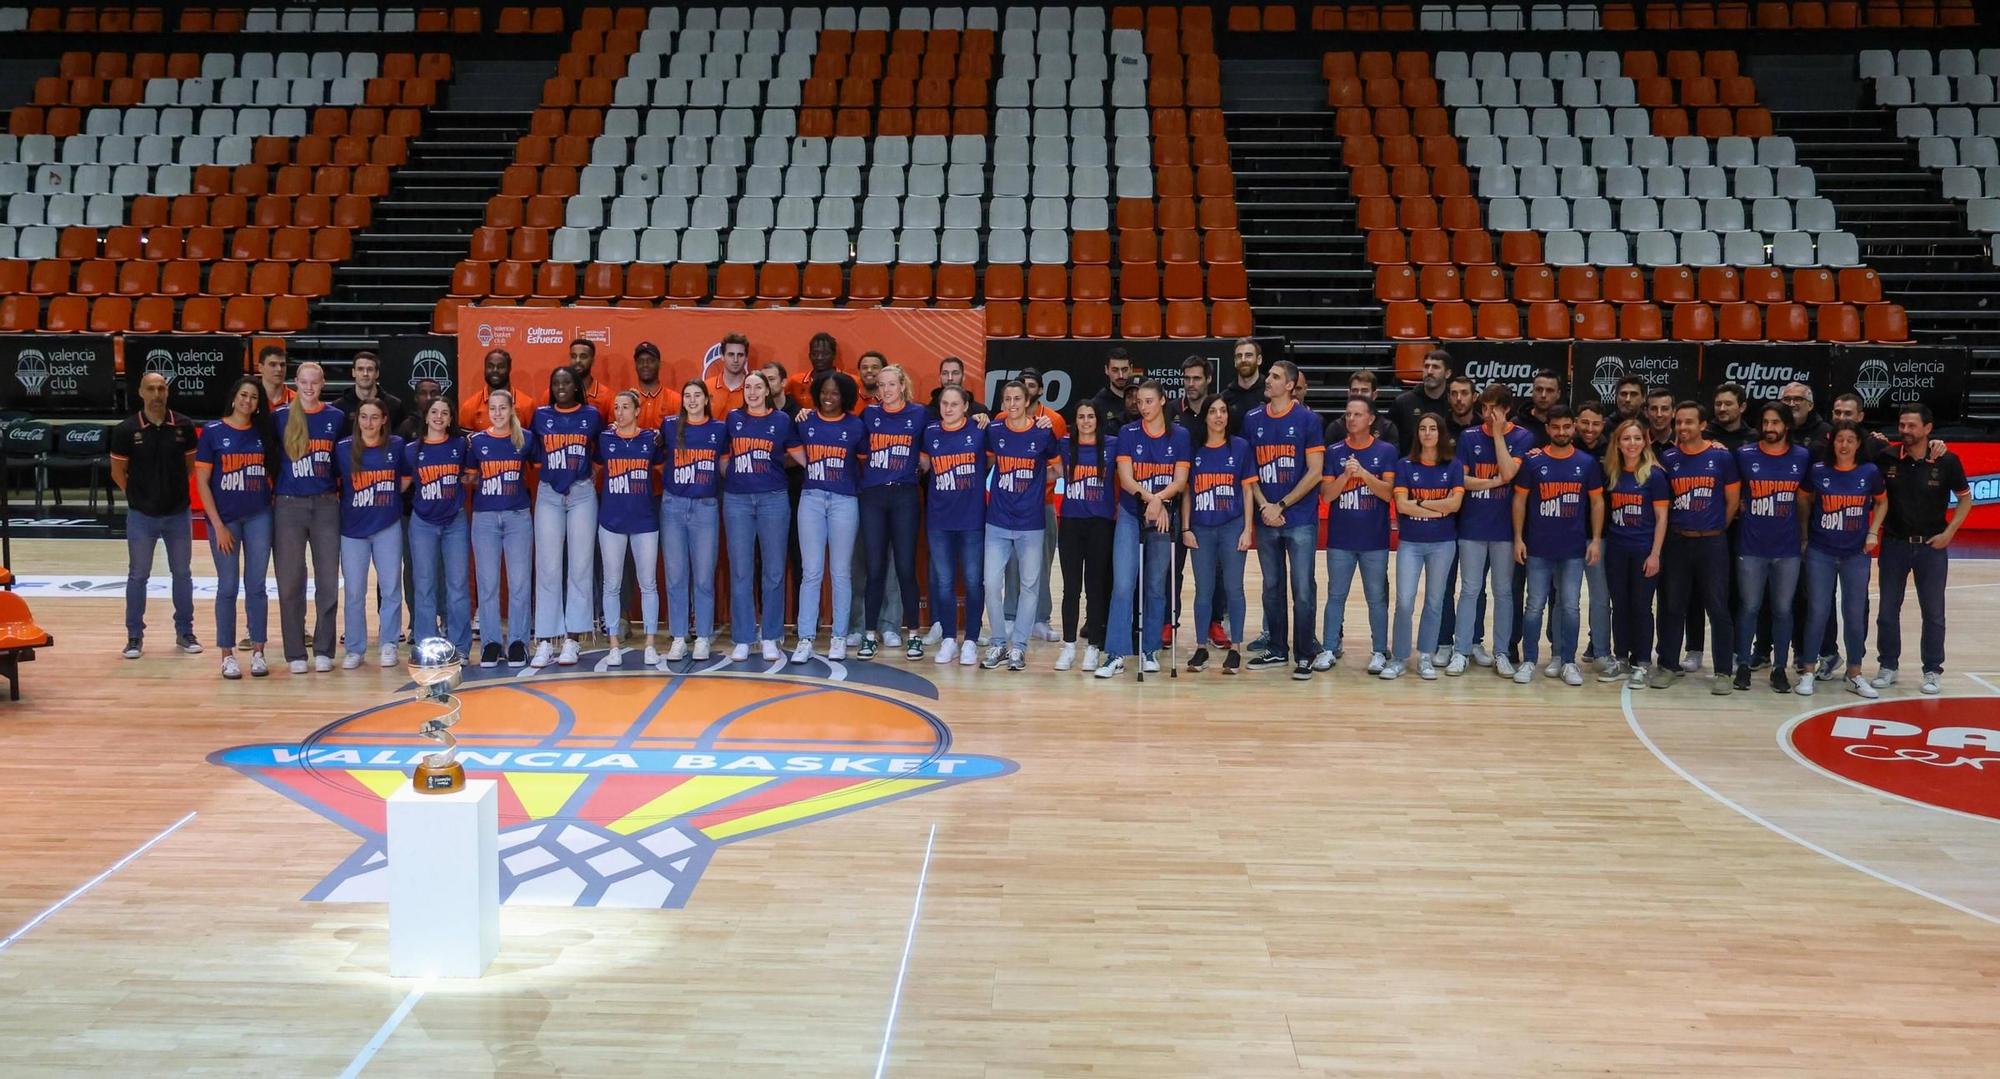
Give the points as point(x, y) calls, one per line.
point(1942, 752)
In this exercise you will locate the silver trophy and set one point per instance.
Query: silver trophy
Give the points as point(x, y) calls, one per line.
point(435, 666)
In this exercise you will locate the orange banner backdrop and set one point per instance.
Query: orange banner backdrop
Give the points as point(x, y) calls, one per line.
point(689, 340)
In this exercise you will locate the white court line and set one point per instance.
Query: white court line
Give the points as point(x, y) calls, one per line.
point(94, 881)
point(382, 1033)
point(1990, 687)
point(1632, 721)
point(903, 968)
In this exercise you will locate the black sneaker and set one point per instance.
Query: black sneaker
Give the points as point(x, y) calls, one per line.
point(1198, 662)
point(1743, 677)
point(1302, 671)
point(1760, 661)
point(868, 646)
point(134, 648)
point(1779, 682)
point(489, 656)
point(1270, 661)
point(1232, 662)
point(187, 643)
point(1828, 664)
point(916, 649)
point(517, 654)
point(1261, 644)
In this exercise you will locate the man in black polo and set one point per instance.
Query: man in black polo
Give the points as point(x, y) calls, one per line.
point(368, 387)
point(1110, 400)
point(1426, 396)
point(1919, 527)
point(1194, 387)
point(1728, 427)
point(1807, 426)
point(152, 452)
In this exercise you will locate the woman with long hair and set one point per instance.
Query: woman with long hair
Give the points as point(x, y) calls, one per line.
point(1429, 487)
point(1021, 451)
point(306, 517)
point(755, 513)
point(440, 536)
point(1216, 529)
point(629, 518)
point(1635, 527)
point(1846, 503)
point(954, 455)
point(372, 476)
point(890, 508)
point(1154, 455)
point(503, 529)
point(565, 432)
point(828, 449)
point(1085, 520)
point(695, 448)
point(233, 468)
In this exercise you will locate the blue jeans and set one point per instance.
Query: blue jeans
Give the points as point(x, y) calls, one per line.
point(1753, 574)
point(688, 531)
point(1631, 593)
point(507, 535)
point(1485, 565)
point(1431, 561)
point(1285, 557)
point(438, 559)
point(1022, 550)
point(247, 564)
point(565, 558)
point(1850, 572)
point(384, 550)
point(1565, 577)
point(645, 547)
point(1125, 559)
point(757, 522)
point(889, 516)
point(1218, 564)
point(1340, 567)
point(142, 530)
point(958, 557)
point(827, 525)
point(1902, 560)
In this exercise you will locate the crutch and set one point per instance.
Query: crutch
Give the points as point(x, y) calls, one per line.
point(1139, 606)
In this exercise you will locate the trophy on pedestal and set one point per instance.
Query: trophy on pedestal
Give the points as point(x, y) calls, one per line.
point(435, 666)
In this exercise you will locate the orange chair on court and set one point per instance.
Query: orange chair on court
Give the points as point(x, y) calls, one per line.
point(19, 637)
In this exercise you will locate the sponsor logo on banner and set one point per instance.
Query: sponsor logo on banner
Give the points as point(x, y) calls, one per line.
point(545, 335)
point(1764, 380)
point(710, 356)
point(160, 362)
point(434, 365)
point(1872, 383)
point(31, 369)
point(1942, 752)
point(1057, 386)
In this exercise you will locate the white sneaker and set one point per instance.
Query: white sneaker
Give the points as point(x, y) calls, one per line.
point(1861, 687)
point(544, 655)
point(935, 634)
point(1457, 665)
point(1524, 674)
point(1017, 660)
point(1427, 668)
point(1112, 668)
point(1150, 663)
point(231, 669)
point(1884, 678)
point(652, 657)
point(947, 651)
point(1324, 661)
point(1442, 655)
point(1066, 658)
point(257, 667)
point(677, 651)
point(1571, 675)
point(968, 654)
point(1931, 681)
point(614, 656)
point(387, 656)
point(322, 664)
point(994, 654)
point(1805, 686)
point(771, 653)
point(1691, 662)
point(1091, 657)
point(1377, 661)
point(1042, 632)
point(298, 666)
point(1481, 656)
point(891, 639)
point(567, 657)
point(854, 640)
point(739, 654)
point(803, 652)
point(701, 648)
point(1503, 666)
point(1390, 671)
point(1552, 668)
point(350, 661)
point(836, 649)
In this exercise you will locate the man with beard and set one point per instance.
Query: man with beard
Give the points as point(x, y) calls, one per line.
point(499, 367)
point(1728, 427)
point(1694, 565)
point(1921, 483)
point(658, 402)
point(367, 386)
point(1362, 384)
point(1460, 394)
point(1426, 396)
point(1807, 427)
point(590, 390)
point(866, 368)
point(1629, 398)
point(1590, 424)
point(951, 372)
point(1770, 543)
point(1558, 519)
point(1491, 454)
point(1245, 390)
point(1110, 400)
point(822, 353)
point(1194, 387)
point(1544, 393)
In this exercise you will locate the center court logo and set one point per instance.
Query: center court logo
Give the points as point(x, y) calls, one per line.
point(1942, 752)
point(617, 790)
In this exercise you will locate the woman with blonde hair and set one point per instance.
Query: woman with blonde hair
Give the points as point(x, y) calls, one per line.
point(307, 516)
point(503, 529)
point(1635, 527)
point(890, 506)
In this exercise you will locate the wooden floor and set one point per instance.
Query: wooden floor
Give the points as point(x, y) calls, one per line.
point(1194, 877)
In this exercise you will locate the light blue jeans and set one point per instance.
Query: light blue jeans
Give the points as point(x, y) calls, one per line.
point(565, 557)
point(507, 535)
point(1340, 567)
point(1216, 554)
point(827, 525)
point(1753, 574)
point(1007, 547)
point(142, 530)
point(645, 547)
point(1565, 577)
point(438, 559)
point(1850, 572)
point(1125, 564)
point(242, 568)
point(1484, 565)
point(689, 528)
point(1431, 562)
point(384, 550)
point(757, 523)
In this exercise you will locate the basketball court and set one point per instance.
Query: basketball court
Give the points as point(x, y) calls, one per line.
point(905, 869)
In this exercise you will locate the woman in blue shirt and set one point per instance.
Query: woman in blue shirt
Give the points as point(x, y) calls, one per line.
point(628, 517)
point(232, 465)
point(565, 433)
point(1218, 531)
point(372, 478)
point(1429, 486)
point(1636, 498)
point(1019, 450)
point(1154, 455)
point(694, 448)
point(889, 504)
point(440, 536)
point(503, 528)
point(1085, 520)
point(306, 517)
point(1845, 501)
point(757, 519)
point(954, 454)
point(828, 450)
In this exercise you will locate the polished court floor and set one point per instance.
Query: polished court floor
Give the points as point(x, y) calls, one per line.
point(1201, 876)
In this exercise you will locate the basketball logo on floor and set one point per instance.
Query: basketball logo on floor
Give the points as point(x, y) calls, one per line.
point(1942, 752)
point(617, 790)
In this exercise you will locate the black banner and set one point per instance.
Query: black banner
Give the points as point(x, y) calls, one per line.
point(407, 361)
point(1890, 376)
point(1073, 370)
point(51, 375)
point(1596, 368)
point(1763, 371)
point(199, 370)
point(1511, 363)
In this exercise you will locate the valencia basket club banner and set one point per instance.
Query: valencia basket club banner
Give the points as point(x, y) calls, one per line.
point(1890, 376)
point(1597, 367)
point(199, 370)
point(47, 375)
point(407, 361)
point(689, 339)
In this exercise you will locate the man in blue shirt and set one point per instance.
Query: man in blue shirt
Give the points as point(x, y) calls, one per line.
point(1695, 560)
point(1770, 540)
point(1558, 517)
point(1284, 436)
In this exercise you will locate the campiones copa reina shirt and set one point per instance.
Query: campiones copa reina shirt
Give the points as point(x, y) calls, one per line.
point(1218, 482)
point(370, 498)
point(1356, 520)
point(1488, 516)
point(693, 453)
point(892, 443)
point(437, 474)
point(957, 496)
point(1770, 510)
point(1088, 481)
point(565, 440)
point(757, 446)
point(1841, 500)
point(1284, 445)
point(1020, 461)
point(629, 505)
point(500, 472)
point(1419, 482)
point(1559, 485)
point(1632, 510)
point(1699, 480)
point(312, 473)
point(1152, 458)
point(235, 456)
point(832, 449)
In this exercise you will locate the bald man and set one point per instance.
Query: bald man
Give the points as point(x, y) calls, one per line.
point(152, 452)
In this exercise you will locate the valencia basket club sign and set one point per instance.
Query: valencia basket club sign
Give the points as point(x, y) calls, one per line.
point(47, 375)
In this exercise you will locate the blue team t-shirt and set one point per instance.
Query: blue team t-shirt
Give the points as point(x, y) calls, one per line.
point(957, 501)
point(1422, 481)
point(1219, 481)
point(1488, 516)
point(1699, 482)
point(1559, 489)
point(833, 452)
point(893, 439)
point(757, 446)
point(1020, 462)
point(1153, 458)
point(1841, 501)
point(1770, 517)
point(1283, 446)
point(629, 506)
point(565, 441)
point(235, 456)
point(311, 474)
point(693, 468)
point(500, 471)
point(1356, 520)
point(437, 478)
point(370, 492)
point(1089, 484)
point(1631, 510)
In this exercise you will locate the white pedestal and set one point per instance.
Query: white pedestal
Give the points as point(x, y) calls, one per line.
point(444, 881)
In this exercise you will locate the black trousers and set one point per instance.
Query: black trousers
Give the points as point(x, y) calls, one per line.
point(1083, 544)
point(1694, 577)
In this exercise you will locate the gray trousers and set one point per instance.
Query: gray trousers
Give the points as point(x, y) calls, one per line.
point(299, 523)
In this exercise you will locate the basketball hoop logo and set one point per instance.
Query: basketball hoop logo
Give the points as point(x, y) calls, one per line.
point(31, 370)
point(160, 362)
point(1610, 371)
point(1872, 383)
point(708, 358)
point(431, 364)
